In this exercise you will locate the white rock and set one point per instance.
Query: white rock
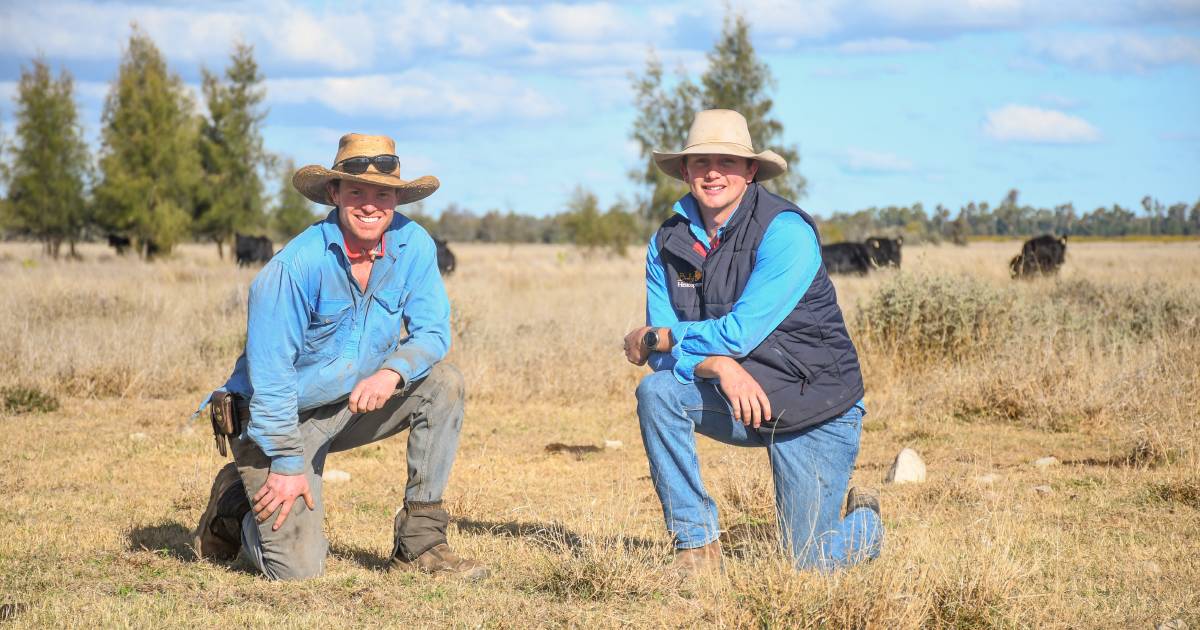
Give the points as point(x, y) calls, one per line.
point(908, 468)
point(1043, 490)
point(987, 479)
point(333, 475)
point(138, 437)
point(1174, 624)
point(613, 445)
point(1046, 462)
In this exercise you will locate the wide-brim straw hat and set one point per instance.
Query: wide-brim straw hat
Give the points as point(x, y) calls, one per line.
point(724, 132)
point(310, 180)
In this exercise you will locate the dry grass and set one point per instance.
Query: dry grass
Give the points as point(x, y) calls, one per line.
point(1099, 367)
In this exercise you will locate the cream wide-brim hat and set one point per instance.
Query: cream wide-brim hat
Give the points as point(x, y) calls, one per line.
point(310, 180)
point(724, 132)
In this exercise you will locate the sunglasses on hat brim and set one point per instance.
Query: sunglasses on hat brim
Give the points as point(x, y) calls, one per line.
point(359, 165)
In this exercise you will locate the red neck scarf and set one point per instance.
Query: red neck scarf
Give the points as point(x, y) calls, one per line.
point(373, 253)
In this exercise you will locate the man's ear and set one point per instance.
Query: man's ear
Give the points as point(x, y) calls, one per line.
point(753, 170)
point(683, 168)
point(331, 189)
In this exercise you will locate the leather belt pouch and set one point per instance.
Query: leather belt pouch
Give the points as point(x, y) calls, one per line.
point(226, 413)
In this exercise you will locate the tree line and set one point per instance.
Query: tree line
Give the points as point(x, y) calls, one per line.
point(165, 173)
point(1009, 218)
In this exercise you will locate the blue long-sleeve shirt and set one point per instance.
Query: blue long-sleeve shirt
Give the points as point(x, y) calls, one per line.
point(788, 258)
point(312, 334)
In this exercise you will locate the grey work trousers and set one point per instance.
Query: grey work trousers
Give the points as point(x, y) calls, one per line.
point(431, 409)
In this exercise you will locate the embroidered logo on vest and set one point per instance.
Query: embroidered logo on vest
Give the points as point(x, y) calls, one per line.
point(689, 279)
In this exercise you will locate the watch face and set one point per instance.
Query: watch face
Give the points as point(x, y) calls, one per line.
point(650, 339)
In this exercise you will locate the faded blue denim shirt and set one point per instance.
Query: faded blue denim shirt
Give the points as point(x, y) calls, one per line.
point(312, 334)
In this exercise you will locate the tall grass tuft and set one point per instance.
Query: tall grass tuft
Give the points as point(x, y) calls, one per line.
point(919, 318)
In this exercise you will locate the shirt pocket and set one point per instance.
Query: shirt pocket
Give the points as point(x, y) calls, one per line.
point(324, 323)
point(386, 321)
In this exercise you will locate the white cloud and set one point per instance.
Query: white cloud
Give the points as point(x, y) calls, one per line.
point(418, 94)
point(1022, 123)
point(1118, 52)
point(866, 162)
point(882, 46)
point(561, 35)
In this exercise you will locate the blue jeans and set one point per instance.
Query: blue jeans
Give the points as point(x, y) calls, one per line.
point(811, 469)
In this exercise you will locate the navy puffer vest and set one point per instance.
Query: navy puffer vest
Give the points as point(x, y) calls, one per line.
point(807, 366)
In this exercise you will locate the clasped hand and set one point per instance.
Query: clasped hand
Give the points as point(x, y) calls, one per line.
point(280, 493)
point(635, 351)
point(373, 392)
point(746, 397)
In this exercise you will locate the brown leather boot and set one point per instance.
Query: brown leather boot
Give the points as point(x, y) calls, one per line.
point(700, 560)
point(420, 544)
point(219, 534)
point(858, 498)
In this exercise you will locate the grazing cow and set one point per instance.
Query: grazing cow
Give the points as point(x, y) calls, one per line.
point(445, 257)
point(884, 252)
point(251, 250)
point(846, 258)
point(119, 243)
point(1041, 255)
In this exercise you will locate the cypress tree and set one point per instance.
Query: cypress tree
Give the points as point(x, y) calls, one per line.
point(149, 163)
point(293, 212)
point(737, 79)
point(50, 163)
point(231, 151)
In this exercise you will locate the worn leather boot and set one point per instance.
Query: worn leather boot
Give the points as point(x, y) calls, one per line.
point(219, 534)
point(420, 544)
point(858, 498)
point(700, 560)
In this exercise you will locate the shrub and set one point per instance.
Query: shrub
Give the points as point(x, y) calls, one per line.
point(18, 399)
point(924, 317)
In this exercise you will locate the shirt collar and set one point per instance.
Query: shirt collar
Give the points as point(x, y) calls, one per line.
point(688, 208)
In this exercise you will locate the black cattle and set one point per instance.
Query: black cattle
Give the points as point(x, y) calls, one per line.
point(251, 250)
point(119, 243)
point(846, 258)
point(445, 257)
point(1041, 255)
point(884, 252)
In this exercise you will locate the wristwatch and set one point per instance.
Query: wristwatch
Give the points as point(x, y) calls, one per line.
point(650, 339)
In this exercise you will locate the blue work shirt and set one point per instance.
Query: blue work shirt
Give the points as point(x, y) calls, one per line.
point(312, 334)
point(788, 258)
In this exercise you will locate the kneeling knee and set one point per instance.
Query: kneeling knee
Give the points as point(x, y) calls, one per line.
point(298, 566)
point(449, 381)
point(653, 390)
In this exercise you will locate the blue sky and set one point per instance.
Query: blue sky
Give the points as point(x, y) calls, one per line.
point(514, 104)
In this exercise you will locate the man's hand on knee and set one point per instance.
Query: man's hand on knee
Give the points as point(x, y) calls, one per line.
point(746, 397)
point(372, 392)
point(280, 493)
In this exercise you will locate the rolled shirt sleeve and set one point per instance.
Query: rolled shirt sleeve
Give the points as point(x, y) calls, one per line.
point(277, 316)
point(426, 316)
point(788, 259)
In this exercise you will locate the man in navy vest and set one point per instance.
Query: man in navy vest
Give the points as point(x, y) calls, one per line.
point(748, 347)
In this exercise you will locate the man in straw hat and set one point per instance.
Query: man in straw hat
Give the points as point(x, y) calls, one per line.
point(347, 326)
point(748, 347)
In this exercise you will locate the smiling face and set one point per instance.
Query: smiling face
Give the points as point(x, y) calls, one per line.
point(718, 181)
point(364, 211)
